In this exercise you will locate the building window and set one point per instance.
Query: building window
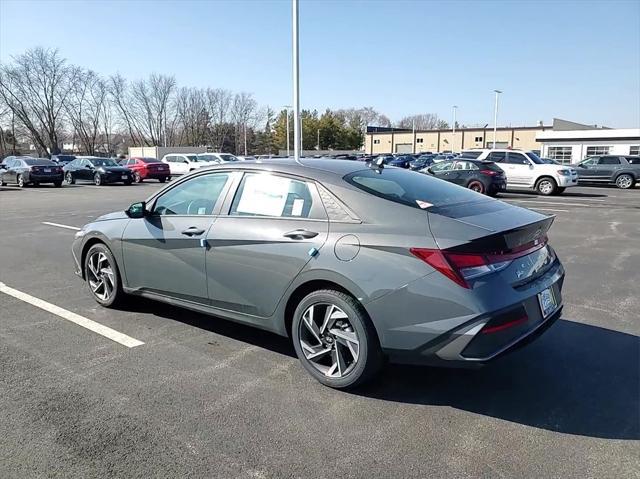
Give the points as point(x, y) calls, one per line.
point(478, 139)
point(597, 150)
point(634, 150)
point(560, 153)
point(419, 140)
point(376, 142)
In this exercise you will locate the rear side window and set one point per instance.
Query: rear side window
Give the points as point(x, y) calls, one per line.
point(497, 156)
point(410, 188)
point(465, 165)
point(272, 195)
point(634, 160)
point(609, 160)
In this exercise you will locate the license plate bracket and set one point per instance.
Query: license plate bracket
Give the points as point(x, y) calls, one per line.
point(548, 302)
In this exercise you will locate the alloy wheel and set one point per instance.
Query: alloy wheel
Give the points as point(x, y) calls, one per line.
point(476, 186)
point(97, 180)
point(69, 178)
point(137, 178)
point(100, 275)
point(328, 340)
point(545, 187)
point(20, 181)
point(624, 181)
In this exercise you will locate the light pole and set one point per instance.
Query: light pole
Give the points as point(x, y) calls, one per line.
point(318, 139)
point(296, 83)
point(455, 107)
point(288, 142)
point(495, 117)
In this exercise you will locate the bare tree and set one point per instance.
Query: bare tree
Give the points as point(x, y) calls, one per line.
point(425, 121)
point(85, 110)
point(243, 112)
point(35, 87)
point(219, 106)
point(193, 116)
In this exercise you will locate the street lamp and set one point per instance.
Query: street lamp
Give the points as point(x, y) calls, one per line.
point(287, 107)
point(495, 117)
point(296, 83)
point(455, 107)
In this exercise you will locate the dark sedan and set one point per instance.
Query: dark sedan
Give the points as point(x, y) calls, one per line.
point(423, 161)
point(97, 170)
point(24, 171)
point(480, 176)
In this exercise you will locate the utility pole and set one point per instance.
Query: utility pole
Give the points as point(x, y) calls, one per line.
point(455, 107)
point(413, 131)
point(495, 117)
point(288, 107)
point(318, 139)
point(245, 138)
point(296, 83)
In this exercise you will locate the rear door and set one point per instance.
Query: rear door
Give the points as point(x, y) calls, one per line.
point(164, 252)
point(275, 225)
point(607, 167)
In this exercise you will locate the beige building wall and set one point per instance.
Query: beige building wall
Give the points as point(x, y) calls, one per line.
point(444, 140)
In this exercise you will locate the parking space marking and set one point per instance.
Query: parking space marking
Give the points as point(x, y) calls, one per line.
point(550, 209)
point(98, 328)
point(75, 228)
point(540, 202)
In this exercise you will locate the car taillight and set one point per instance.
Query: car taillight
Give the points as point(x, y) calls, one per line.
point(490, 172)
point(461, 267)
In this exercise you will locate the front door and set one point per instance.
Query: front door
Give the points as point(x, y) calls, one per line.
point(519, 169)
point(275, 226)
point(588, 169)
point(165, 251)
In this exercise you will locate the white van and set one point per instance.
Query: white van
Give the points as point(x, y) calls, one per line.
point(525, 169)
point(181, 163)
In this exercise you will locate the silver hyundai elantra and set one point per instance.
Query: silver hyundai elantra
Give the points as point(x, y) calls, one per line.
point(355, 262)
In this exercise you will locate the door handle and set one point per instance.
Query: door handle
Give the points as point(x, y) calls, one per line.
point(300, 234)
point(193, 231)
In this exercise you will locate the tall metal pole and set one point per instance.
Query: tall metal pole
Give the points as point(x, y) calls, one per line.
point(245, 139)
point(413, 131)
point(454, 128)
point(495, 117)
point(318, 139)
point(296, 83)
point(288, 107)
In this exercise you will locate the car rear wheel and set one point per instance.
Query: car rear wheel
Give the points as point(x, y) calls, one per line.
point(137, 178)
point(69, 178)
point(103, 277)
point(476, 186)
point(163, 179)
point(624, 181)
point(57, 184)
point(546, 186)
point(97, 179)
point(335, 340)
point(20, 181)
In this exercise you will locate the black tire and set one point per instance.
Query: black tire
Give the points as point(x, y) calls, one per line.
point(476, 186)
point(162, 180)
point(97, 179)
point(546, 186)
point(57, 184)
point(117, 298)
point(127, 182)
point(560, 190)
point(625, 181)
point(370, 358)
point(3, 183)
point(20, 181)
point(136, 177)
point(69, 178)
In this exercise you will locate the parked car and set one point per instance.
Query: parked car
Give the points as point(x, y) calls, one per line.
point(329, 252)
point(217, 158)
point(401, 161)
point(147, 169)
point(525, 169)
point(99, 171)
point(25, 170)
point(622, 171)
point(480, 176)
point(442, 157)
point(421, 162)
point(180, 164)
point(245, 158)
point(62, 159)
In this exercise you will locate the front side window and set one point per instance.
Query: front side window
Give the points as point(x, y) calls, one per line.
point(197, 196)
point(590, 161)
point(517, 159)
point(443, 166)
point(271, 195)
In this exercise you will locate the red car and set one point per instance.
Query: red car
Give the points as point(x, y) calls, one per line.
point(147, 168)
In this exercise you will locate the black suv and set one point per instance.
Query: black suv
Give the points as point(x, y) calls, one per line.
point(623, 171)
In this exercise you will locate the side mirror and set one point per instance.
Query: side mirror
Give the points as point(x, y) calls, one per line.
point(137, 210)
point(531, 166)
point(430, 170)
point(89, 167)
point(185, 161)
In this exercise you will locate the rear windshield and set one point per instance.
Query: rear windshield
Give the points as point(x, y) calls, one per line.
point(39, 162)
point(410, 188)
point(65, 157)
point(150, 160)
point(471, 154)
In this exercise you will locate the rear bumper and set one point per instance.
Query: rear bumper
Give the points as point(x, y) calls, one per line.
point(155, 175)
point(46, 178)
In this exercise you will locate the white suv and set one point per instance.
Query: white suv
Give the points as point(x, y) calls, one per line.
point(180, 163)
point(525, 169)
point(217, 158)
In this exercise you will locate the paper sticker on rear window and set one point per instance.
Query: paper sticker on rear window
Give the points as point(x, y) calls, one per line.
point(423, 204)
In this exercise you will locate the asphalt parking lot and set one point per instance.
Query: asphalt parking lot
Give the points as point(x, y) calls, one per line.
point(207, 398)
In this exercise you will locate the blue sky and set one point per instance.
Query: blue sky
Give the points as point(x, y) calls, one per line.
point(578, 60)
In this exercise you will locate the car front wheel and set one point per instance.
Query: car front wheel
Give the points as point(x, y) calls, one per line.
point(20, 181)
point(97, 179)
point(69, 178)
point(102, 276)
point(335, 340)
point(137, 178)
point(546, 186)
point(624, 181)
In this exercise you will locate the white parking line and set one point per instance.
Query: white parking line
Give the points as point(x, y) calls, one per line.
point(540, 202)
point(75, 228)
point(98, 328)
point(550, 209)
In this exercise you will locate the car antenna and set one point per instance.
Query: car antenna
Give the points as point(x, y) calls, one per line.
point(377, 165)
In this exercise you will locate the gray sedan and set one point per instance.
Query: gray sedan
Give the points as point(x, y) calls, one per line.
point(355, 263)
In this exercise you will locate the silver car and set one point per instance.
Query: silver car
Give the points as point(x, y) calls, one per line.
point(356, 263)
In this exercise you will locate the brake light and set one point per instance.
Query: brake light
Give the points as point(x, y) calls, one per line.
point(489, 172)
point(461, 267)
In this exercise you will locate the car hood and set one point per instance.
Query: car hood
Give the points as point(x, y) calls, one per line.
point(116, 215)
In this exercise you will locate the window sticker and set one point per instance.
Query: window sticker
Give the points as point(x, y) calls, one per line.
point(298, 204)
point(264, 195)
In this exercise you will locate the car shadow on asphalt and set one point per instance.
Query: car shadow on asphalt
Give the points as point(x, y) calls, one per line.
point(575, 379)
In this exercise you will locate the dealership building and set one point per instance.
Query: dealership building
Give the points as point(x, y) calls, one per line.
point(563, 140)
